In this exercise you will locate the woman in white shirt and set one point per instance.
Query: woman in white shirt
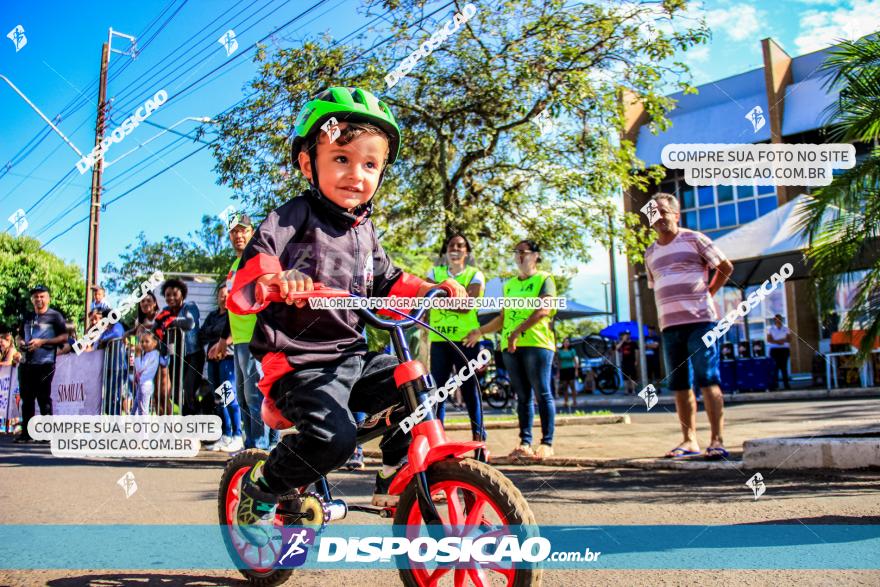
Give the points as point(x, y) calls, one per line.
point(778, 342)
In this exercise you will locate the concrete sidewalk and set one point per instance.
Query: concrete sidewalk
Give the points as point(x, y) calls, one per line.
point(597, 400)
point(643, 442)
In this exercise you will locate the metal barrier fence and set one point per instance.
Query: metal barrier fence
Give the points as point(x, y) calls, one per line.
point(119, 387)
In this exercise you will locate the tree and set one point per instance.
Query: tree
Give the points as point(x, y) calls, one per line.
point(206, 251)
point(474, 158)
point(22, 266)
point(850, 241)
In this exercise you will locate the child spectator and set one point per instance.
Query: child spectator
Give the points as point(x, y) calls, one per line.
point(9, 355)
point(146, 363)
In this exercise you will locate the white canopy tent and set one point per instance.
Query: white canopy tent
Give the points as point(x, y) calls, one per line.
point(758, 249)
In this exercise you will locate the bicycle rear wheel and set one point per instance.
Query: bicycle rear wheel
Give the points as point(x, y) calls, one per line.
point(497, 394)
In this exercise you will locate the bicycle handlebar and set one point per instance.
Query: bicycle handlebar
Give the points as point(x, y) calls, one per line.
point(271, 293)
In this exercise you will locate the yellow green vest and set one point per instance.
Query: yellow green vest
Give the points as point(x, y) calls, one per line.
point(455, 325)
point(540, 335)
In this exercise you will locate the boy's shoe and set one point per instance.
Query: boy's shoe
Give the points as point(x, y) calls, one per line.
point(544, 451)
point(235, 444)
point(218, 445)
point(256, 508)
point(523, 450)
point(381, 497)
point(356, 461)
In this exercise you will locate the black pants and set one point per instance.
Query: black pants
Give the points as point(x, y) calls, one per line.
point(193, 403)
point(780, 357)
point(652, 362)
point(320, 401)
point(35, 382)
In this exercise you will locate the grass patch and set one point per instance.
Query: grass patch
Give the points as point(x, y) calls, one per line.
point(511, 416)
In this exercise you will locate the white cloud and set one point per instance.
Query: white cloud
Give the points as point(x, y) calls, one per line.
point(852, 20)
point(738, 22)
point(698, 54)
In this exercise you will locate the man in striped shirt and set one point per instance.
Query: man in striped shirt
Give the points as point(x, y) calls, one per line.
point(678, 265)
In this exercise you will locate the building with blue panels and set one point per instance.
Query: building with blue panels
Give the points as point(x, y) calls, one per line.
point(785, 101)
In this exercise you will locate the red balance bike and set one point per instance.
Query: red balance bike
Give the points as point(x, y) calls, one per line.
point(439, 487)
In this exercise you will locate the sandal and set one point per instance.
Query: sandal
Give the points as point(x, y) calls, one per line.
point(523, 450)
point(681, 453)
point(716, 453)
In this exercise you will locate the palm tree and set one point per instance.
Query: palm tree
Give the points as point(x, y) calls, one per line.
point(849, 242)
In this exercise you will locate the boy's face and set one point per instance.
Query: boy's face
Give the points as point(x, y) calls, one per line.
point(148, 343)
point(348, 174)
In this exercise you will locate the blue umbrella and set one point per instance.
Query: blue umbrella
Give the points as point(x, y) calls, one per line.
point(615, 330)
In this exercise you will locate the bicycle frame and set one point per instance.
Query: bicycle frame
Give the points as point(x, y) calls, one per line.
point(429, 441)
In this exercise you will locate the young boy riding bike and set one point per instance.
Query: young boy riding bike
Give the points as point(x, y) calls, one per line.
point(316, 366)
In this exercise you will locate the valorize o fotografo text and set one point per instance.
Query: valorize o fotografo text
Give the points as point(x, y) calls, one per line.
point(118, 312)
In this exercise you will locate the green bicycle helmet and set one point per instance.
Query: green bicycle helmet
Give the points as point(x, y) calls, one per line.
point(346, 105)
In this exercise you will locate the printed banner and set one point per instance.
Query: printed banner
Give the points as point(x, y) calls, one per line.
point(76, 386)
point(9, 393)
point(340, 546)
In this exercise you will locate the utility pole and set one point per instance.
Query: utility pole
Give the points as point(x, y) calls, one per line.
point(98, 167)
point(612, 263)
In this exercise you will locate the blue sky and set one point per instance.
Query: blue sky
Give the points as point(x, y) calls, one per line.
point(59, 64)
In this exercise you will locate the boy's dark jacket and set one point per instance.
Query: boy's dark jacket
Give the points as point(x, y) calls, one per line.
point(302, 234)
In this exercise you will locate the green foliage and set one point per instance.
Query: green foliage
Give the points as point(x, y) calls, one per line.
point(576, 328)
point(843, 219)
point(22, 266)
point(473, 158)
point(207, 251)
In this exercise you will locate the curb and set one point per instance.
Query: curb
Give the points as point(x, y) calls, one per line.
point(820, 452)
point(764, 396)
point(560, 421)
point(649, 464)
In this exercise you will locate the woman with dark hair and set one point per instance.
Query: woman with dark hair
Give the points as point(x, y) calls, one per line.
point(456, 324)
point(184, 316)
point(528, 346)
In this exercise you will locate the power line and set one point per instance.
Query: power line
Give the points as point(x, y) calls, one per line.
point(125, 193)
point(158, 79)
point(236, 104)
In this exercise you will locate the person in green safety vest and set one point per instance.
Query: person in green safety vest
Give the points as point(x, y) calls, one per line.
point(456, 324)
point(528, 346)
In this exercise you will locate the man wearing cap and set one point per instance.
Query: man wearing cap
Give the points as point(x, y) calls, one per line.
point(98, 302)
point(247, 374)
point(42, 332)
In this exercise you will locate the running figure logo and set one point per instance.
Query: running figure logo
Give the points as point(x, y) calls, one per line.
point(331, 127)
point(651, 211)
point(543, 122)
point(756, 117)
point(756, 484)
point(649, 394)
point(296, 539)
point(229, 42)
point(17, 37)
point(128, 484)
point(227, 215)
point(225, 393)
point(19, 221)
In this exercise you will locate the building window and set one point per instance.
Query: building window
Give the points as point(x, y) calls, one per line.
point(718, 208)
